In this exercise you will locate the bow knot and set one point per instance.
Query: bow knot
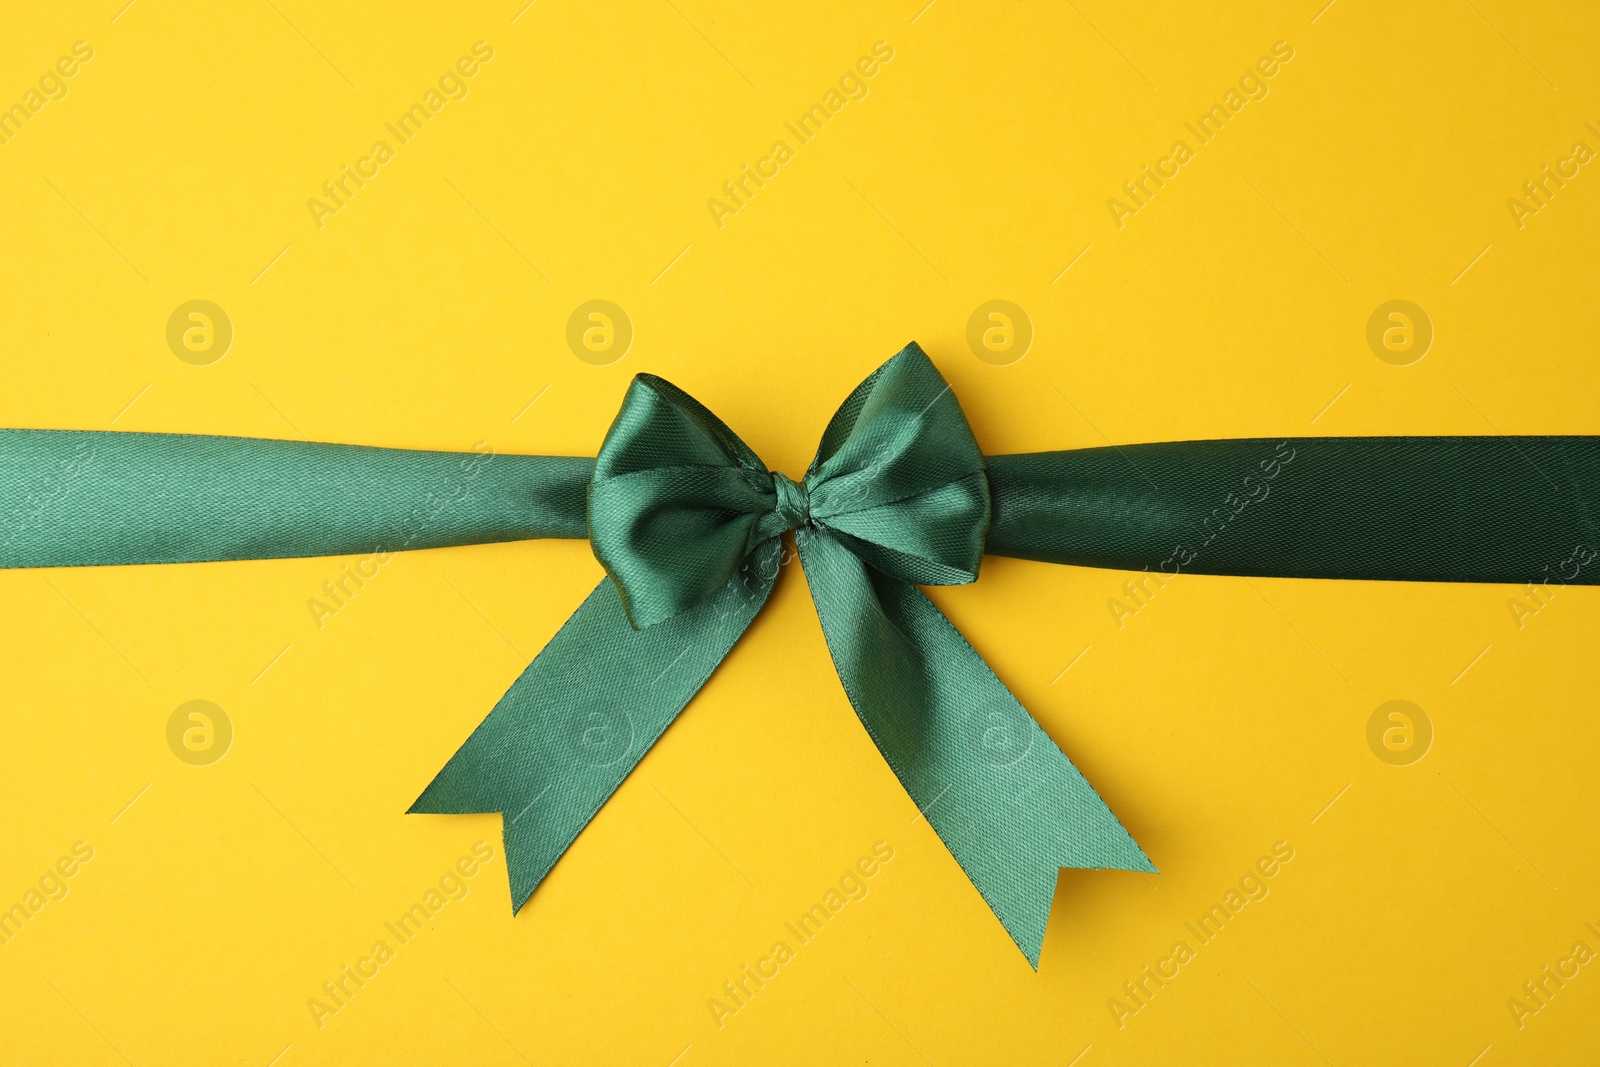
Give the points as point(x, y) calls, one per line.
point(794, 503)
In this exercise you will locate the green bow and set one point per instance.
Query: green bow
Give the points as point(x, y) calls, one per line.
point(687, 522)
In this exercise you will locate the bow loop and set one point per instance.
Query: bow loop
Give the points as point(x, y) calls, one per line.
point(676, 502)
point(899, 478)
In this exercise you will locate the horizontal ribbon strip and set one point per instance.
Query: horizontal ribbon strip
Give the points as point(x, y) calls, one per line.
point(1428, 509)
point(80, 498)
point(1445, 509)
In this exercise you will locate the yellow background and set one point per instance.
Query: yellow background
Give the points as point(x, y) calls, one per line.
point(431, 310)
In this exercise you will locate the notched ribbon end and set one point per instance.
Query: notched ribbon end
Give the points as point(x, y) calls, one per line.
point(1026, 927)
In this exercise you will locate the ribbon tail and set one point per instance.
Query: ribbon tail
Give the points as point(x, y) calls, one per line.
point(1006, 801)
point(583, 714)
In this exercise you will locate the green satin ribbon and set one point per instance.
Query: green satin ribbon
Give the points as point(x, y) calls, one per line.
point(687, 522)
